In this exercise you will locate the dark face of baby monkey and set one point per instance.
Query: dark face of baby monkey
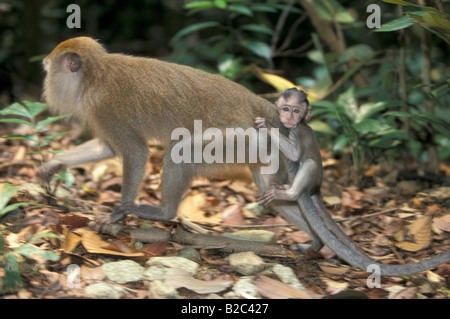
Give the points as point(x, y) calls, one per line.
point(293, 107)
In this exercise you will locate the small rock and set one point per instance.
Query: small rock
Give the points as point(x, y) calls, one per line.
point(173, 262)
point(287, 275)
point(246, 263)
point(245, 288)
point(255, 208)
point(191, 254)
point(104, 290)
point(256, 235)
point(160, 290)
point(123, 271)
point(410, 187)
point(154, 273)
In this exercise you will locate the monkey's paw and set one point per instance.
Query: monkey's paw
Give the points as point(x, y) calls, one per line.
point(45, 174)
point(261, 122)
point(267, 197)
point(143, 211)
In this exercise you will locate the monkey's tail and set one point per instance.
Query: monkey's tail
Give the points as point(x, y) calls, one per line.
point(333, 227)
point(354, 258)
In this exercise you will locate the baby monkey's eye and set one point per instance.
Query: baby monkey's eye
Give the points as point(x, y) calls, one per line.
point(285, 108)
point(296, 110)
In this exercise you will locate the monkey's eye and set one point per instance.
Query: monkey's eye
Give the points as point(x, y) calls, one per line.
point(296, 110)
point(285, 108)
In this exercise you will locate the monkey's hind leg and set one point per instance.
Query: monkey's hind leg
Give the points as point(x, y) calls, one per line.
point(175, 180)
point(289, 210)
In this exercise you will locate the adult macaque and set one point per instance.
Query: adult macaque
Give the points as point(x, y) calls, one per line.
point(128, 101)
point(301, 149)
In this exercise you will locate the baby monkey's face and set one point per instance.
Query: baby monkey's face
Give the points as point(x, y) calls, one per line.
point(291, 111)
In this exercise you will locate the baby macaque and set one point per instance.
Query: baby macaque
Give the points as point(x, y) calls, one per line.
point(300, 147)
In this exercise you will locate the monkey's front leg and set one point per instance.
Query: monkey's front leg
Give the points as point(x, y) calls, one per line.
point(92, 150)
point(275, 193)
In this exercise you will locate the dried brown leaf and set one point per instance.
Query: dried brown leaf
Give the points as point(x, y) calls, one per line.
point(334, 270)
point(71, 241)
point(421, 230)
point(274, 289)
point(232, 215)
point(95, 245)
point(191, 208)
point(442, 223)
point(178, 278)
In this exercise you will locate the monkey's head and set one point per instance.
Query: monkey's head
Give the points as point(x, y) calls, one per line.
point(293, 107)
point(66, 66)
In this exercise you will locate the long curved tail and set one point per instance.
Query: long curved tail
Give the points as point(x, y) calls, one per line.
point(356, 258)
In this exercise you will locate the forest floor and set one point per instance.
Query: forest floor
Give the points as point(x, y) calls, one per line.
point(397, 217)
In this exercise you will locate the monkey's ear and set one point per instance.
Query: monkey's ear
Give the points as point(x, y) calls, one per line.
point(308, 113)
point(72, 62)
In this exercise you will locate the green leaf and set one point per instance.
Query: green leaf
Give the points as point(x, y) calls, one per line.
point(51, 137)
point(49, 255)
point(322, 127)
point(16, 109)
point(370, 126)
point(356, 52)
point(368, 109)
point(241, 10)
point(408, 4)
point(257, 28)
point(37, 58)
point(438, 124)
point(263, 8)
point(341, 142)
point(194, 28)
point(17, 121)
point(199, 4)
point(348, 102)
point(12, 274)
point(441, 90)
point(2, 243)
point(29, 250)
point(35, 108)
point(345, 17)
point(434, 23)
point(12, 207)
point(258, 48)
point(397, 24)
point(41, 124)
point(21, 137)
point(42, 235)
point(7, 192)
point(390, 139)
point(221, 4)
point(67, 177)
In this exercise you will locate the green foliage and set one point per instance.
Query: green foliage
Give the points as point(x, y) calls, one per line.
point(239, 28)
point(361, 128)
point(429, 18)
point(12, 278)
point(27, 113)
point(6, 194)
